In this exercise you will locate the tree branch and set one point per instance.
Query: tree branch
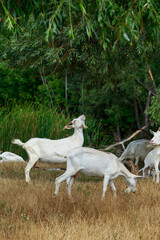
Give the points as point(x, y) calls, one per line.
point(152, 79)
point(147, 106)
point(45, 83)
point(127, 139)
point(136, 114)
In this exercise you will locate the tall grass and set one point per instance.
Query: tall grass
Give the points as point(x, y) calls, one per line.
point(28, 121)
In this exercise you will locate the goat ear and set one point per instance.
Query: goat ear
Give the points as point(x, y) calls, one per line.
point(159, 129)
point(68, 126)
point(151, 132)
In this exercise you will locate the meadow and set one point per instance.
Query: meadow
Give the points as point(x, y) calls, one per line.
point(30, 211)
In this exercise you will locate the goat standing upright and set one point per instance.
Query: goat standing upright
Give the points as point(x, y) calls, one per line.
point(154, 158)
point(53, 151)
point(149, 164)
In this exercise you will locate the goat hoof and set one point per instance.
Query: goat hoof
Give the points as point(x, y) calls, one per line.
point(28, 182)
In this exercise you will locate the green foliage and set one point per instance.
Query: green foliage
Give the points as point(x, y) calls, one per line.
point(56, 90)
point(26, 86)
point(154, 110)
point(109, 22)
point(104, 46)
point(16, 85)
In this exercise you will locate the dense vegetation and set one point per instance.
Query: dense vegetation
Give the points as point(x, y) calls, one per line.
point(82, 56)
point(29, 121)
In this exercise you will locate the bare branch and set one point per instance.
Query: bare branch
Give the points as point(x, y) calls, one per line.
point(54, 96)
point(66, 91)
point(152, 79)
point(145, 87)
point(127, 139)
point(147, 106)
point(45, 83)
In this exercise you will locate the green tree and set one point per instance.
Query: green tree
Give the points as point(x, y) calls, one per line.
point(99, 48)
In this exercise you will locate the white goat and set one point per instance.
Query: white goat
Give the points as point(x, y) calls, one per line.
point(52, 151)
point(92, 162)
point(10, 157)
point(149, 164)
point(154, 158)
point(136, 150)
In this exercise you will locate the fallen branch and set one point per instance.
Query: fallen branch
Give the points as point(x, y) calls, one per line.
point(50, 169)
point(127, 139)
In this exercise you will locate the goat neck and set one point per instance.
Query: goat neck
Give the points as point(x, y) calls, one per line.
point(78, 135)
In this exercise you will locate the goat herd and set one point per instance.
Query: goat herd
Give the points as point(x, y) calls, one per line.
point(87, 160)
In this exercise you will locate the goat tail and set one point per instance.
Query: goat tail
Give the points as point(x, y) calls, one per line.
point(18, 142)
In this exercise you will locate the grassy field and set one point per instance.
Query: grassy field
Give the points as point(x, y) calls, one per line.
point(29, 211)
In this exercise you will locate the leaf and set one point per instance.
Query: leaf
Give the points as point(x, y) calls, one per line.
point(126, 37)
point(82, 9)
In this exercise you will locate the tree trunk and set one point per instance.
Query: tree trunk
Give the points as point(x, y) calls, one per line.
point(136, 113)
point(147, 106)
point(141, 110)
point(45, 83)
point(82, 92)
point(66, 91)
point(44, 80)
point(118, 132)
point(117, 137)
point(55, 97)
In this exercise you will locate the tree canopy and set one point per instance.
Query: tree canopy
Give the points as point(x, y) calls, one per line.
point(84, 56)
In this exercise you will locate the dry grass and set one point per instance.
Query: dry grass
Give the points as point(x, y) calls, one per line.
point(29, 211)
